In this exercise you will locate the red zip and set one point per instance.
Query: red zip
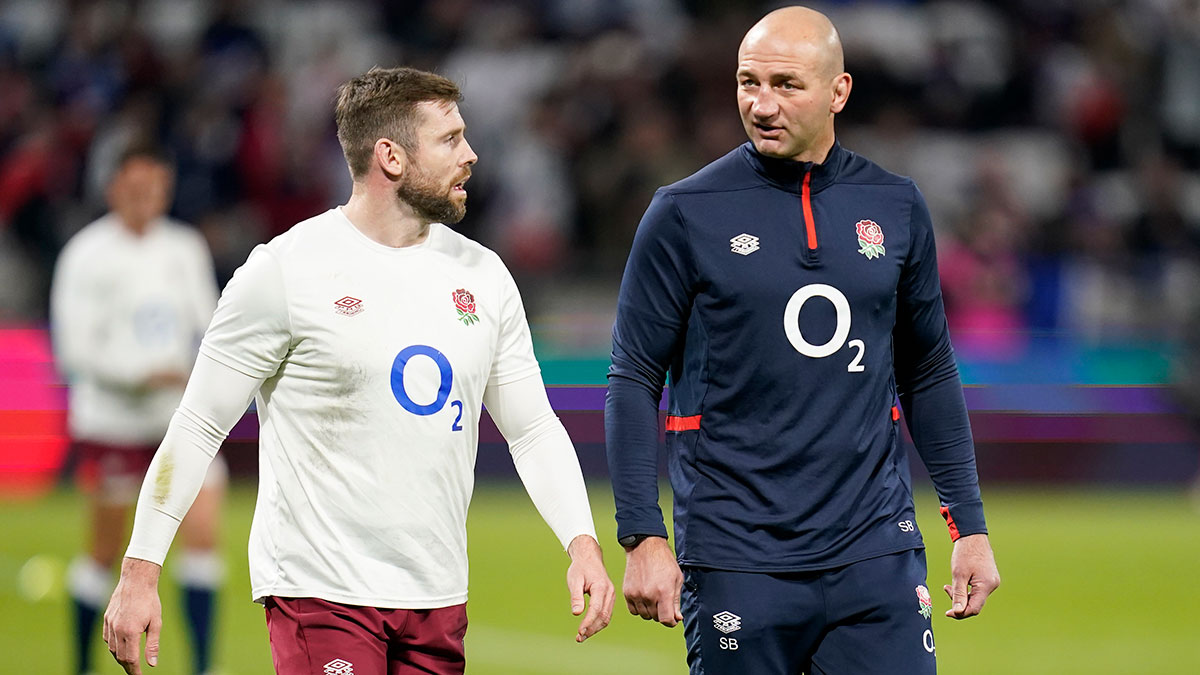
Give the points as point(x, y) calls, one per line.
point(805, 199)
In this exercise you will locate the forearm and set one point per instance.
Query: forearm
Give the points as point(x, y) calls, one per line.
point(631, 437)
point(937, 417)
point(544, 456)
point(215, 399)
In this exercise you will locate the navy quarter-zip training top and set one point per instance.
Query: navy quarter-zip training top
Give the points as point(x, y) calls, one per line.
point(793, 304)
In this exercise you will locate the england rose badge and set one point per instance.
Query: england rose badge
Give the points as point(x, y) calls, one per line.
point(870, 239)
point(924, 602)
point(464, 304)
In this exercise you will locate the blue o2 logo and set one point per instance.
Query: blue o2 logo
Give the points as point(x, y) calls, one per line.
point(443, 393)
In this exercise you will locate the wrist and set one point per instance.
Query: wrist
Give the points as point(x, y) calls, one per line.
point(632, 541)
point(582, 543)
point(140, 572)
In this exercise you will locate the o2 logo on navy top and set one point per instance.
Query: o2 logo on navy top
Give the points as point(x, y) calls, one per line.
point(443, 393)
point(791, 325)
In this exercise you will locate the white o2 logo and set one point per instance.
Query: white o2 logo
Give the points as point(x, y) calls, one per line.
point(791, 325)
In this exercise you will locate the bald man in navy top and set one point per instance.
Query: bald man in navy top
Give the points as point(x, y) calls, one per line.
point(790, 289)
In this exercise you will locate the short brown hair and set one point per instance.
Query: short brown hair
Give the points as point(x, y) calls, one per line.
point(144, 148)
point(382, 103)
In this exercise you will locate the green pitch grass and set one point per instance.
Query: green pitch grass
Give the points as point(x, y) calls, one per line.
point(1095, 581)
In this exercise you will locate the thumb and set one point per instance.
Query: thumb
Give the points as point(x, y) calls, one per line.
point(152, 633)
point(958, 597)
point(678, 611)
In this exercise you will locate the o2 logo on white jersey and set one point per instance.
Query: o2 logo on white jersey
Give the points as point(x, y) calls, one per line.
point(791, 325)
point(444, 386)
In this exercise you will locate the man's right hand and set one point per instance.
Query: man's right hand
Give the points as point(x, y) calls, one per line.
point(134, 609)
point(653, 582)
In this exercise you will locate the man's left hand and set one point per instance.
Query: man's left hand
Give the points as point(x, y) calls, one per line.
point(974, 576)
point(587, 576)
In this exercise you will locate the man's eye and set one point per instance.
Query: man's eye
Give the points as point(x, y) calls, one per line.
point(788, 86)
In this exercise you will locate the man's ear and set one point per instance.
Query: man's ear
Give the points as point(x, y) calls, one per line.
point(841, 92)
point(391, 158)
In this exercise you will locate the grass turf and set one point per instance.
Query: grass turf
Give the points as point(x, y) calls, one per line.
point(1095, 581)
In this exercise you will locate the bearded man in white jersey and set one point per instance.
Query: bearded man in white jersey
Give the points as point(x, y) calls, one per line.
point(370, 335)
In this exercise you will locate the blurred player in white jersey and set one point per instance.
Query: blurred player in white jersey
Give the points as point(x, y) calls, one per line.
point(371, 335)
point(132, 294)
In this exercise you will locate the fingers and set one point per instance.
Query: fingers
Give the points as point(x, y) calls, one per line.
point(152, 633)
point(659, 604)
point(975, 600)
point(600, 609)
point(126, 650)
point(642, 605)
point(966, 603)
point(667, 610)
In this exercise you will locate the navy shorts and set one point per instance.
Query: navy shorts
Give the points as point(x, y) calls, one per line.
point(872, 616)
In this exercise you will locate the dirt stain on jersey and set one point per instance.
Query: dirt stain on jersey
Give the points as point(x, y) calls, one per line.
point(344, 414)
point(162, 480)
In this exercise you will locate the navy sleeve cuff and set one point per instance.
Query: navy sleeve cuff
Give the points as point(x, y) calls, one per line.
point(964, 518)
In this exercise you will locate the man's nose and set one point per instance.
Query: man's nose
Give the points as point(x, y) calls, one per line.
point(764, 105)
point(470, 157)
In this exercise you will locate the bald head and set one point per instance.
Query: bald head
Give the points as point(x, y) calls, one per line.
point(801, 32)
point(791, 83)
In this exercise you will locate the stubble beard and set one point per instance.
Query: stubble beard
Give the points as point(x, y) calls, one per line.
point(428, 201)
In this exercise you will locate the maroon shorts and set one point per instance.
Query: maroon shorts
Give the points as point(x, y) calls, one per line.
point(310, 636)
point(116, 471)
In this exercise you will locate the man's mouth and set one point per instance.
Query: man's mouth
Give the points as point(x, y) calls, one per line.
point(460, 186)
point(767, 130)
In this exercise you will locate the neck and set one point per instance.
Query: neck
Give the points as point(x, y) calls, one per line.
point(818, 151)
point(136, 226)
point(383, 218)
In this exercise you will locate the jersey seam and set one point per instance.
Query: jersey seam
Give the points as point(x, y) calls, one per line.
point(287, 308)
point(911, 229)
point(693, 313)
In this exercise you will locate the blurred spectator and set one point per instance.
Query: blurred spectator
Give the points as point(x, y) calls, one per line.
point(1058, 143)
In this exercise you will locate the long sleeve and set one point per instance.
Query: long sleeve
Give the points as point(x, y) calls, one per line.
point(928, 383)
point(244, 346)
point(215, 399)
point(543, 455)
point(652, 313)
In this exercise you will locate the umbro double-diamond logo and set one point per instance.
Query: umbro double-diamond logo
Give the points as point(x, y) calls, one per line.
point(727, 622)
point(743, 244)
point(339, 667)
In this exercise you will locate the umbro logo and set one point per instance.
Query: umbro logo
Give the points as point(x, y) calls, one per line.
point(727, 622)
point(339, 667)
point(743, 244)
point(348, 306)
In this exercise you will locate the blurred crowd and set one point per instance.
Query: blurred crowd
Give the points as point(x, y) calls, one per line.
point(1057, 141)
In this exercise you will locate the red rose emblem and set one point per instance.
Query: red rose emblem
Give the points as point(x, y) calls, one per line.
point(869, 232)
point(464, 301)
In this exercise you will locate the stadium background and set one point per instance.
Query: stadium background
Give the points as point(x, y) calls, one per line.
point(1057, 141)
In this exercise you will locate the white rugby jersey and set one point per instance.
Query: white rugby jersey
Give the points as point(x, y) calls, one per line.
point(123, 307)
point(375, 361)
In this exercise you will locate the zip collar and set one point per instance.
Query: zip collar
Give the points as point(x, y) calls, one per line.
point(788, 175)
